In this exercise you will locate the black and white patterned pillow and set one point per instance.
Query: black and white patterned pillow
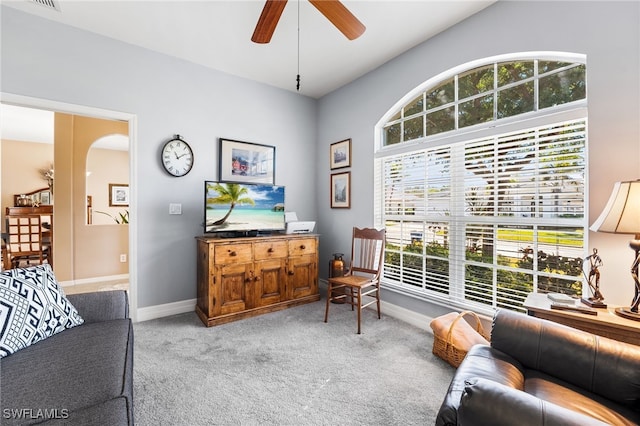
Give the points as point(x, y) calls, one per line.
point(32, 307)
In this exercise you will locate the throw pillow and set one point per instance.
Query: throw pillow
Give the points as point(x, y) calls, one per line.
point(33, 306)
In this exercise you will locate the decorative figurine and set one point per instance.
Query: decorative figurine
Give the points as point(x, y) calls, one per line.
point(593, 279)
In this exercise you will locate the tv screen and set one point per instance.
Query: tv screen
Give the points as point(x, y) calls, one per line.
point(238, 208)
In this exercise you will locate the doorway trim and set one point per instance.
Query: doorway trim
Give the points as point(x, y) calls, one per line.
point(27, 101)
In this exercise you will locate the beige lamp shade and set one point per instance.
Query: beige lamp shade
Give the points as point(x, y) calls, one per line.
point(621, 215)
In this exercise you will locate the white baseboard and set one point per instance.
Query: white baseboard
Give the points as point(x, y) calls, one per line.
point(94, 280)
point(411, 317)
point(168, 309)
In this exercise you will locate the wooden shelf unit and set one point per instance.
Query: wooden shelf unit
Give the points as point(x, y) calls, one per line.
point(244, 277)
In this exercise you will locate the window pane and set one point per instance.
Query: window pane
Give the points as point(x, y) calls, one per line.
point(475, 111)
point(515, 246)
point(513, 288)
point(516, 100)
point(474, 82)
point(441, 95)
point(478, 284)
point(511, 72)
point(560, 250)
point(392, 134)
point(546, 66)
point(413, 128)
point(414, 107)
point(440, 121)
point(479, 243)
point(560, 88)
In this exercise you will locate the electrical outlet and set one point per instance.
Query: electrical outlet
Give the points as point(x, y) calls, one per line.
point(175, 208)
point(123, 258)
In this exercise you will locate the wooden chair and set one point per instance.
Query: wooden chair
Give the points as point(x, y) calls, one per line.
point(24, 242)
point(362, 279)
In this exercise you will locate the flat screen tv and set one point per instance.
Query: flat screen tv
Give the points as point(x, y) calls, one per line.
point(243, 209)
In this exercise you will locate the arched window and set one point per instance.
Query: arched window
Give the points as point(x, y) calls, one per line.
point(480, 182)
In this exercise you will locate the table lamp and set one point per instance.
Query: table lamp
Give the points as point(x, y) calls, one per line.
point(621, 215)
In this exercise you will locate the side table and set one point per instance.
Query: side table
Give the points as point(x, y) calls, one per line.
point(606, 323)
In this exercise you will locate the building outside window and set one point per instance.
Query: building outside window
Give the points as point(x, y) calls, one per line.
point(481, 182)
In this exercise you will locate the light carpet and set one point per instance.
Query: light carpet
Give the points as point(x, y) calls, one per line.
point(287, 368)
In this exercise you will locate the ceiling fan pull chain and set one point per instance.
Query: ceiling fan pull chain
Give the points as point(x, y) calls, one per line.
point(298, 75)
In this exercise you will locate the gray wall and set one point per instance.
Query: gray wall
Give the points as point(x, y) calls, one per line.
point(43, 59)
point(607, 32)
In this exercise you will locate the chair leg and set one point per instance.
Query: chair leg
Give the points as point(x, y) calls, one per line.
point(359, 307)
point(326, 309)
point(378, 301)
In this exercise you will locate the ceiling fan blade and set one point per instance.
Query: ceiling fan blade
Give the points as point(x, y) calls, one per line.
point(268, 21)
point(340, 16)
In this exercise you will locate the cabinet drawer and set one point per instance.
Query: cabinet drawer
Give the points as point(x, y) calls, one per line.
point(302, 246)
point(270, 250)
point(232, 253)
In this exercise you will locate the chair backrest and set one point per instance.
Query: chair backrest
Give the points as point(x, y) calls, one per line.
point(367, 251)
point(24, 235)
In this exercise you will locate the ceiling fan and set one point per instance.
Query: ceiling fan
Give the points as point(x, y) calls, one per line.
point(333, 10)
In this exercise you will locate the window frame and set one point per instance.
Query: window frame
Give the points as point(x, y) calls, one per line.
point(565, 112)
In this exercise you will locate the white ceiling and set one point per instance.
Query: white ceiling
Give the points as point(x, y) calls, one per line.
point(217, 34)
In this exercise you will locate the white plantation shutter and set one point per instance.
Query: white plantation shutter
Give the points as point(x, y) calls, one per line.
point(484, 222)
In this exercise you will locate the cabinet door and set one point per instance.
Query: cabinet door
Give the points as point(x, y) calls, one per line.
point(232, 282)
point(303, 276)
point(269, 282)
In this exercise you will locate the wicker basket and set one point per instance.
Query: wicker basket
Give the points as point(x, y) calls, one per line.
point(453, 336)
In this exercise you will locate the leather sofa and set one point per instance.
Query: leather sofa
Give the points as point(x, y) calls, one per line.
point(537, 372)
point(80, 376)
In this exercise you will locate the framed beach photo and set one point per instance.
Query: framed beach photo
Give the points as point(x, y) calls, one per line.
point(118, 195)
point(246, 162)
point(340, 154)
point(341, 190)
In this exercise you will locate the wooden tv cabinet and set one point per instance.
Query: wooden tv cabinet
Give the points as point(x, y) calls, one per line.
point(244, 277)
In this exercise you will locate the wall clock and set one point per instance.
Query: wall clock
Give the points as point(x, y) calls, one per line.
point(177, 157)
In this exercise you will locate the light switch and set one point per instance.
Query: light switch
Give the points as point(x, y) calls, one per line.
point(175, 208)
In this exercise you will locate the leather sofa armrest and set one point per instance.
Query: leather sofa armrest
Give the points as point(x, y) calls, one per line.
point(101, 305)
point(485, 402)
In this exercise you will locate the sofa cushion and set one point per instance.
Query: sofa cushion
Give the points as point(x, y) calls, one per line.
point(600, 365)
point(569, 396)
point(485, 402)
point(71, 371)
point(33, 307)
point(481, 362)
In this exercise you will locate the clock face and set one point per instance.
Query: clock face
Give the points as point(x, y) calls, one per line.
point(177, 157)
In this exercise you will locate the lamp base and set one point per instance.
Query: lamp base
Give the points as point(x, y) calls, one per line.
point(626, 313)
point(594, 303)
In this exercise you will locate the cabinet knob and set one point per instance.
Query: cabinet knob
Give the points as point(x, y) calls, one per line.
point(302, 246)
point(232, 253)
point(270, 250)
point(290, 272)
point(257, 278)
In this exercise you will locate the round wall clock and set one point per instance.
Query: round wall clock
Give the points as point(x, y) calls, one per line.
point(177, 157)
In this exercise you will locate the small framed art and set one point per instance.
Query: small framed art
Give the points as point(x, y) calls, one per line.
point(341, 190)
point(118, 194)
point(340, 154)
point(247, 162)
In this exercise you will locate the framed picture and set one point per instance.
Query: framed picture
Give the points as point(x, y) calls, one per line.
point(118, 195)
point(340, 154)
point(247, 162)
point(341, 190)
point(45, 198)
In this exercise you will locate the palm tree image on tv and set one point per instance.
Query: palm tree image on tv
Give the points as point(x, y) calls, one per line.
point(232, 194)
point(243, 207)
